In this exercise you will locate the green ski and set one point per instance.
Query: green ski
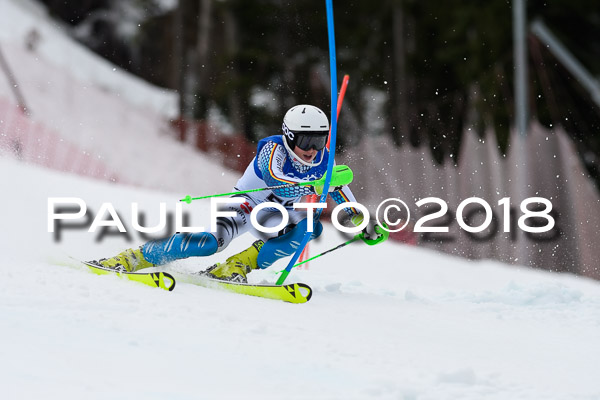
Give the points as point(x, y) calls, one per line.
point(292, 293)
point(162, 280)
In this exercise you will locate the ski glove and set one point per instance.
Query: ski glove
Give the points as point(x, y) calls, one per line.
point(318, 189)
point(373, 233)
point(341, 175)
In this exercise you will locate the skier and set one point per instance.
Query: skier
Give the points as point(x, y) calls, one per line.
point(299, 155)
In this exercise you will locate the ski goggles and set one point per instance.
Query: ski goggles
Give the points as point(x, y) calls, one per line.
point(307, 140)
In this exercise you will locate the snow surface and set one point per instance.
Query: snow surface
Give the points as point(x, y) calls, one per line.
point(112, 115)
point(385, 322)
point(28, 21)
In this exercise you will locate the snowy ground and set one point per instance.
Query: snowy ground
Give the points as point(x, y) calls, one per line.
point(391, 322)
point(106, 112)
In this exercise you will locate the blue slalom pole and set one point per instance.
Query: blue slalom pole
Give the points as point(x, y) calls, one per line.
point(323, 199)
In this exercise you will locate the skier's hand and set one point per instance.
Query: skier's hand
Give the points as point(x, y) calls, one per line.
point(357, 219)
point(374, 233)
point(318, 189)
point(341, 175)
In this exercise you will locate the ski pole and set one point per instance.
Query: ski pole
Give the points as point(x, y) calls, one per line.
point(354, 239)
point(341, 175)
point(188, 199)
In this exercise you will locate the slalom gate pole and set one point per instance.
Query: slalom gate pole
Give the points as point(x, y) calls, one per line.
point(333, 73)
point(343, 88)
point(313, 198)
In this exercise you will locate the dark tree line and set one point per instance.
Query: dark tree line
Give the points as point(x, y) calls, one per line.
point(441, 65)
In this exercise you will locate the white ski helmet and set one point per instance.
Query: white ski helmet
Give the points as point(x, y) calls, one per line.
point(305, 126)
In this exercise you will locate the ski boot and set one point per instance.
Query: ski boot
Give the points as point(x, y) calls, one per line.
point(237, 266)
point(129, 260)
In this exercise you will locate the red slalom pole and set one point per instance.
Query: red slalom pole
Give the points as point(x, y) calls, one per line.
point(340, 101)
point(314, 198)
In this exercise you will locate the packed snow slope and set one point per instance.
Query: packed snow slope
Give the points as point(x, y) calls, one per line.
point(385, 322)
point(112, 115)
